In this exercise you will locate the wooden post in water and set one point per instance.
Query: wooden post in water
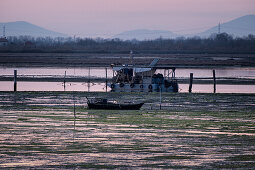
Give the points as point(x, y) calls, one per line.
point(160, 97)
point(214, 82)
point(74, 109)
point(74, 113)
point(65, 82)
point(190, 82)
point(105, 79)
point(74, 116)
point(89, 81)
point(15, 80)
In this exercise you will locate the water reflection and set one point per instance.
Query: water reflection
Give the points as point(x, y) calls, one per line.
point(100, 72)
point(53, 86)
point(100, 87)
point(220, 72)
point(220, 88)
point(75, 71)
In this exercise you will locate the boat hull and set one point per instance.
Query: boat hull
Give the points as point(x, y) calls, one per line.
point(114, 106)
point(127, 87)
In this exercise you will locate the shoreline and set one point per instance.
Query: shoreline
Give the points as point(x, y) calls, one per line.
point(105, 60)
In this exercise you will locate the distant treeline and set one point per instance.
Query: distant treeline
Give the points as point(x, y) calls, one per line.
point(216, 43)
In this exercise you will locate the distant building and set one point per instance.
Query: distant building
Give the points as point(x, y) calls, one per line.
point(3, 41)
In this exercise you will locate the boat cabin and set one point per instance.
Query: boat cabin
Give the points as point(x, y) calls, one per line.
point(128, 78)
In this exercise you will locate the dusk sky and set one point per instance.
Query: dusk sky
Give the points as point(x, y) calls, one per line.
point(108, 17)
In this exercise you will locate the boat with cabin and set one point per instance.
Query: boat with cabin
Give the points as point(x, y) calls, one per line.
point(130, 78)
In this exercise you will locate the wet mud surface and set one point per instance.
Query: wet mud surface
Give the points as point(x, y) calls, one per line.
point(40, 130)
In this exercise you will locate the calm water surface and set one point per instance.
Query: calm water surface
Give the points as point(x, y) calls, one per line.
point(100, 72)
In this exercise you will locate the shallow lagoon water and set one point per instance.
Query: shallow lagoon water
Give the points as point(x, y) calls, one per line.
point(100, 87)
point(100, 72)
point(240, 72)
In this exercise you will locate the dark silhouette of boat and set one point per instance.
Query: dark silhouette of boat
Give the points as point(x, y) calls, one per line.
point(103, 104)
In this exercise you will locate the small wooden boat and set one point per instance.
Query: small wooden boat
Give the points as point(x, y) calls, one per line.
point(103, 104)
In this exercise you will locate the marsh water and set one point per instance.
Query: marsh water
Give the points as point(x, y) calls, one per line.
point(228, 72)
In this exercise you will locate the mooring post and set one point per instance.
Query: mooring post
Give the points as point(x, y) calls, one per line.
point(160, 98)
point(89, 80)
point(65, 82)
point(74, 110)
point(214, 82)
point(74, 114)
point(105, 79)
point(190, 82)
point(15, 80)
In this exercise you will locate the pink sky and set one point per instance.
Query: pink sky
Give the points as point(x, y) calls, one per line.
point(108, 17)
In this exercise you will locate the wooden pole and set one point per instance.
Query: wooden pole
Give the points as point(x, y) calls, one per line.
point(190, 82)
point(74, 110)
point(74, 114)
point(214, 82)
point(15, 80)
point(89, 81)
point(105, 79)
point(160, 97)
point(65, 82)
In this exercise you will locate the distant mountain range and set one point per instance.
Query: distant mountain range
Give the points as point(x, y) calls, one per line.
point(242, 26)
point(238, 27)
point(19, 28)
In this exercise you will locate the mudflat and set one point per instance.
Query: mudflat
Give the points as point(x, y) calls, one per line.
point(56, 130)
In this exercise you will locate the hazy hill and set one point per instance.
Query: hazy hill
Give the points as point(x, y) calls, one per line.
point(19, 28)
point(241, 26)
point(144, 34)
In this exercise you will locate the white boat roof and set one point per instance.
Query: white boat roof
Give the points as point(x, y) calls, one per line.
point(136, 69)
point(139, 70)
